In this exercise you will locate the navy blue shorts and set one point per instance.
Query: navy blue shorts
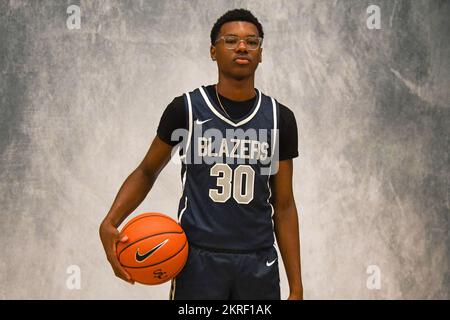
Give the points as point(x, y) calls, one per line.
point(216, 275)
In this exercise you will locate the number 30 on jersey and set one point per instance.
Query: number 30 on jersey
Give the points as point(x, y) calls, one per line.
point(230, 181)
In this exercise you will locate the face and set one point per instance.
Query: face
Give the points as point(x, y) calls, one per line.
point(227, 59)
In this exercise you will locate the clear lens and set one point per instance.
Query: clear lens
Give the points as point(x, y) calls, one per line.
point(231, 42)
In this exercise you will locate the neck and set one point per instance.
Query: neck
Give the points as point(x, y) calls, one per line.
point(236, 90)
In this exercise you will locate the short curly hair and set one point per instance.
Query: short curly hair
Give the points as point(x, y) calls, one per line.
point(235, 15)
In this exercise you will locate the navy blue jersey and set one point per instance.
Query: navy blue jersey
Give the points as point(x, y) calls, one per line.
point(226, 168)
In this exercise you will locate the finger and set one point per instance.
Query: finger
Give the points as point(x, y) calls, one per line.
point(115, 260)
point(116, 235)
point(116, 264)
point(118, 268)
point(119, 272)
point(129, 280)
point(124, 273)
point(120, 276)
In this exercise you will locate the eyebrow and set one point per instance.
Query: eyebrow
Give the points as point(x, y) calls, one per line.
point(232, 34)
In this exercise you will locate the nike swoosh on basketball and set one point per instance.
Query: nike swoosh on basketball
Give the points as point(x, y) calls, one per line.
point(270, 263)
point(140, 258)
point(201, 122)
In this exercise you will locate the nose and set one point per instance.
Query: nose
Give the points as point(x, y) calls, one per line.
point(241, 45)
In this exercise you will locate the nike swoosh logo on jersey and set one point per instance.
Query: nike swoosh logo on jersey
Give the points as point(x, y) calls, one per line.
point(201, 122)
point(270, 263)
point(140, 258)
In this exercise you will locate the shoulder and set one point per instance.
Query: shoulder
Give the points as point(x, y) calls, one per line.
point(174, 110)
point(179, 101)
point(286, 115)
point(175, 107)
point(286, 112)
point(287, 120)
point(208, 88)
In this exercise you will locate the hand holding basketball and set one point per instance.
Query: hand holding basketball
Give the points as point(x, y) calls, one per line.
point(110, 236)
point(156, 250)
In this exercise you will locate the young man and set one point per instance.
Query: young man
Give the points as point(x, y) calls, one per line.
point(236, 174)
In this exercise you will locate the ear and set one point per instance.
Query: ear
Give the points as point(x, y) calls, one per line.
point(260, 54)
point(212, 52)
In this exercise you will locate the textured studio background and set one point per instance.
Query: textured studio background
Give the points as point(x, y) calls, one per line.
point(80, 107)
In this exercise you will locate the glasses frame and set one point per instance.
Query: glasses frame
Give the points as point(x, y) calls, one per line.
point(240, 39)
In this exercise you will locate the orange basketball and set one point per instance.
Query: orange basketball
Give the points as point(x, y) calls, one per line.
point(156, 250)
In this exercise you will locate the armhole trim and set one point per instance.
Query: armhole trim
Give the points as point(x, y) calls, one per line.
point(188, 142)
point(275, 124)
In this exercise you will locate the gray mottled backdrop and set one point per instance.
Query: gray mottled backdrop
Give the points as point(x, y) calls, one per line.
point(79, 108)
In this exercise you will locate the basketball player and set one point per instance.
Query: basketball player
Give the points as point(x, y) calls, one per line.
point(236, 191)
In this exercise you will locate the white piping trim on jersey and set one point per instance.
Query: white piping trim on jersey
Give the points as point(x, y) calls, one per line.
point(172, 289)
point(183, 179)
point(275, 126)
point(188, 143)
point(218, 114)
point(183, 210)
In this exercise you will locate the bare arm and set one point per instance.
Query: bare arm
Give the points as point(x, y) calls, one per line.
point(132, 192)
point(287, 228)
point(139, 182)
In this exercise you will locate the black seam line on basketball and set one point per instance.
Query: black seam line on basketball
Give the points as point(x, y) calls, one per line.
point(151, 265)
point(147, 216)
point(147, 238)
point(153, 214)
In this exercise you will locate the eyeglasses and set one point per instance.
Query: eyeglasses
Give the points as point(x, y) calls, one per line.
point(232, 42)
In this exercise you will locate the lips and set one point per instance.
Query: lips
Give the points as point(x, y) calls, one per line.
point(242, 60)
